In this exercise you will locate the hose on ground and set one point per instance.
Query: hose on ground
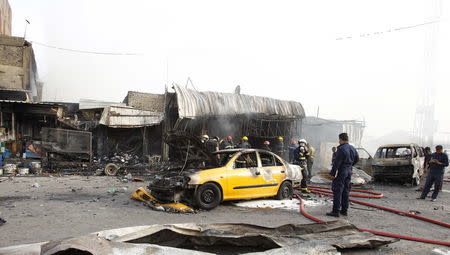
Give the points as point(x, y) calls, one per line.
point(324, 191)
point(409, 238)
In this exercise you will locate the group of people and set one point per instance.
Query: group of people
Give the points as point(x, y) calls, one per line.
point(215, 143)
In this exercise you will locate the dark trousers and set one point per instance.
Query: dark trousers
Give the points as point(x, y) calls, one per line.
point(310, 163)
point(433, 178)
point(341, 190)
point(302, 164)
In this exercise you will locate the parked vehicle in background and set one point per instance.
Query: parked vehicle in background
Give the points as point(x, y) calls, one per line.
point(401, 162)
point(365, 161)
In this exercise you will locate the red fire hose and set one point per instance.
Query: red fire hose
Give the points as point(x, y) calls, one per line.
point(447, 179)
point(324, 191)
point(315, 189)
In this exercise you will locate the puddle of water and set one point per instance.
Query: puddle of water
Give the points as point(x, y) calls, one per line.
point(278, 204)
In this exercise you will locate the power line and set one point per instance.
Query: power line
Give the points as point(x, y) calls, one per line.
point(389, 30)
point(87, 51)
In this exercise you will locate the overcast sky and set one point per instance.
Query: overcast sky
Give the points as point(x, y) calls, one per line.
point(282, 49)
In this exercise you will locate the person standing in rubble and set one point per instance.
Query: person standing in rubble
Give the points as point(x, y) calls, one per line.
point(423, 178)
point(279, 147)
point(244, 143)
point(333, 157)
point(300, 159)
point(266, 146)
point(292, 147)
point(227, 144)
point(341, 172)
point(310, 158)
point(438, 162)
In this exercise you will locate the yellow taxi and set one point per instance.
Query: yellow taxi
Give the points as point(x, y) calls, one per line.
point(236, 174)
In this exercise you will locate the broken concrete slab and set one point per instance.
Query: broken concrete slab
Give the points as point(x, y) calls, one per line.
point(316, 238)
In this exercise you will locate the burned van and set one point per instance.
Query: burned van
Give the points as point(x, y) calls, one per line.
point(401, 162)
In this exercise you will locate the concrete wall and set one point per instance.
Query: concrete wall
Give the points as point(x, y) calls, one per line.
point(5, 18)
point(145, 101)
point(17, 65)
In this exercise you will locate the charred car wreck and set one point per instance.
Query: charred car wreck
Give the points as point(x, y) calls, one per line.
point(206, 179)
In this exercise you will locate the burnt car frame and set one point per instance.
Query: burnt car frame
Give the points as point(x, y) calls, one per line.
point(401, 162)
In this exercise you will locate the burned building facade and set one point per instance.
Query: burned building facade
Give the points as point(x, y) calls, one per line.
point(231, 114)
point(322, 134)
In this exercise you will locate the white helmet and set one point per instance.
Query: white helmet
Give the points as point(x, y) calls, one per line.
point(302, 141)
point(205, 137)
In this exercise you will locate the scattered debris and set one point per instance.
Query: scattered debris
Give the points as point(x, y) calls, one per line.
point(142, 195)
point(414, 212)
point(2, 221)
point(315, 238)
point(136, 179)
point(36, 185)
point(359, 177)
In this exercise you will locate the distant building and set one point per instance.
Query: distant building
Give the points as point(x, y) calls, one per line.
point(5, 18)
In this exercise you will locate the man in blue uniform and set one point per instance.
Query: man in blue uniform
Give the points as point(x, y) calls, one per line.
point(437, 163)
point(341, 173)
point(292, 148)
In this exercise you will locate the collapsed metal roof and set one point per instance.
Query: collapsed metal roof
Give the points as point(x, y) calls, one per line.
point(193, 104)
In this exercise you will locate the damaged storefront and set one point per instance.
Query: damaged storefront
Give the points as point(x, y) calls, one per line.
point(233, 114)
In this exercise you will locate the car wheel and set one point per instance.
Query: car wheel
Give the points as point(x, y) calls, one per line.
point(285, 191)
point(208, 196)
point(111, 169)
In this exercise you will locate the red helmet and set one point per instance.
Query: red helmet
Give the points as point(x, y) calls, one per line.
point(229, 138)
point(293, 142)
point(266, 143)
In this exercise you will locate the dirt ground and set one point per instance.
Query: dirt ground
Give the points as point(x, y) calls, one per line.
point(69, 206)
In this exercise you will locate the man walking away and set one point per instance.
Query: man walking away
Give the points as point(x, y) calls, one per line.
point(438, 162)
point(341, 172)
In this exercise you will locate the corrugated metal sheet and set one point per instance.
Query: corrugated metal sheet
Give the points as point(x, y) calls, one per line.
point(96, 104)
point(128, 117)
point(192, 104)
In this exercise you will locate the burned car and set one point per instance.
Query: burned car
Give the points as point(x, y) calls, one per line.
point(402, 162)
point(206, 179)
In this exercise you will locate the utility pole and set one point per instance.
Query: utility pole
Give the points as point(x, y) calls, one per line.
point(425, 124)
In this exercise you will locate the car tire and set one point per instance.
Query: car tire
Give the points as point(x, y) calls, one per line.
point(208, 196)
point(285, 191)
point(111, 169)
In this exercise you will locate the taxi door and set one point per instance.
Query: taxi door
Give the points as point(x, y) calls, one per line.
point(273, 172)
point(245, 179)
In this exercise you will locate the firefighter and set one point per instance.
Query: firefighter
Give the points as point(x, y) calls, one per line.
point(266, 146)
point(292, 147)
point(244, 143)
point(300, 159)
point(310, 158)
point(204, 138)
point(228, 143)
point(212, 145)
point(279, 147)
point(341, 172)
